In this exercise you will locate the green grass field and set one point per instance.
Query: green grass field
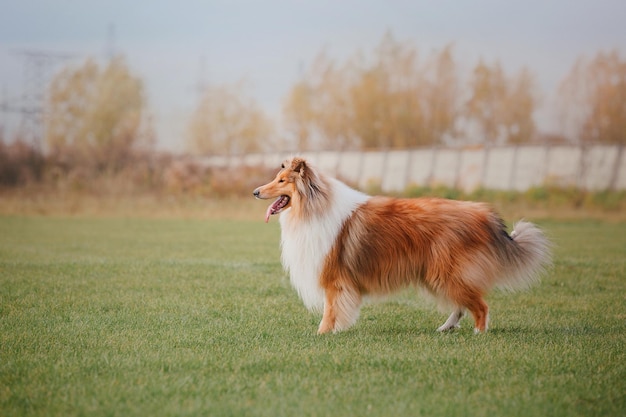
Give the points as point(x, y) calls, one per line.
point(159, 317)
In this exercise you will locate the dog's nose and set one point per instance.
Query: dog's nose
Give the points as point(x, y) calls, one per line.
point(256, 193)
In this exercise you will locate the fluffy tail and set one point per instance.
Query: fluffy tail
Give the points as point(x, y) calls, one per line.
point(527, 256)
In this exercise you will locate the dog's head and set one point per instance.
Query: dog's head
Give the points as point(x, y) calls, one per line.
point(295, 182)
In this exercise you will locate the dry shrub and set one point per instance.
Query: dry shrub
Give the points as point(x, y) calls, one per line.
point(188, 176)
point(240, 181)
point(185, 176)
point(72, 170)
point(20, 164)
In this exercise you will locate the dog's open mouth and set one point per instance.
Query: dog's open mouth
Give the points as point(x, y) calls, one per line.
point(276, 207)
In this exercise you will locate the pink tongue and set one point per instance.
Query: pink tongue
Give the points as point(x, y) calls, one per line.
point(268, 213)
point(272, 208)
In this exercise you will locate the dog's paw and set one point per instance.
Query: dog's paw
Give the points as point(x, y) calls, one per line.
point(324, 328)
point(448, 327)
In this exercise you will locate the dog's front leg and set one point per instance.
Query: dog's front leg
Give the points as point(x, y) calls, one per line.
point(341, 309)
point(328, 320)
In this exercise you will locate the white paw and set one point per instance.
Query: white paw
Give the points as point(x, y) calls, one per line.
point(447, 327)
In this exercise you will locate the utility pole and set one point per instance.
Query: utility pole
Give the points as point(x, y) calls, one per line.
point(201, 84)
point(3, 121)
point(110, 50)
point(37, 68)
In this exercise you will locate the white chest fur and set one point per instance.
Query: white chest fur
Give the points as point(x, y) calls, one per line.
point(305, 244)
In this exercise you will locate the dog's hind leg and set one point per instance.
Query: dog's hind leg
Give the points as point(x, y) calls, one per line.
point(341, 309)
point(480, 311)
point(453, 320)
point(472, 300)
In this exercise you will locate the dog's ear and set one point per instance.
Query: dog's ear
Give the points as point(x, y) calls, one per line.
point(298, 165)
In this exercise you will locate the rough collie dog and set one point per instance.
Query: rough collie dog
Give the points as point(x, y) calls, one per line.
point(340, 245)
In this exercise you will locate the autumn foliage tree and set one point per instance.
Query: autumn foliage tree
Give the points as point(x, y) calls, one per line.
point(226, 122)
point(397, 99)
point(443, 97)
point(390, 99)
point(366, 102)
point(593, 98)
point(501, 107)
point(386, 111)
point(95, 114)
point(485, 106)
point(299, 115)
point(520, 105)
point(317, 111)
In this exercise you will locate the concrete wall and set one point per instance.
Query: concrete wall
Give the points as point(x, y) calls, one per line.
point(595, 167)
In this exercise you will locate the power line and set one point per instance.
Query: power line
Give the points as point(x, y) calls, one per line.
point(201, 86)
point(110, 49)
point(37, 69)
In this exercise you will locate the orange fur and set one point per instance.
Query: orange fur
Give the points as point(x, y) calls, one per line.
point(457, 250)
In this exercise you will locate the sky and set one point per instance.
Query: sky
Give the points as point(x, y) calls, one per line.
point(174, 45)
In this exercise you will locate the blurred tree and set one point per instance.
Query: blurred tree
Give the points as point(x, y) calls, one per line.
point(441, 99)
point(486, 104)
point(331, 107)
point(299, 115)
point(519, 106)
point(227, 123)
point(20, 163)
point(502, 107)
point(593, 99)
point(95, 114)
point(384, 97)
point(386, 101)
point(317, 109)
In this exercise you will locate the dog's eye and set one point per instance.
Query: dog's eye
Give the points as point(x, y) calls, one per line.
point(281, 180)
